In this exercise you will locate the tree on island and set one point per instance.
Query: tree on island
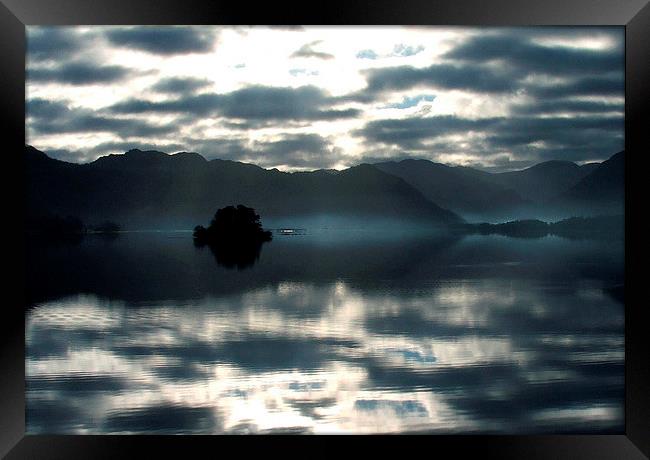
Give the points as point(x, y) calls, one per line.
point(235, 236)
point(232, 223)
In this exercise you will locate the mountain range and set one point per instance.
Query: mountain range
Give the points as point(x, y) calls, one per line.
point(151, 189)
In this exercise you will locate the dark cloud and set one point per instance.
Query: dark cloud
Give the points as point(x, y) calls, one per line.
point(297, 150)
point(581, 86)
point(305, 150)
point(409, 133)
point(78, 73)
point(163, 40)
point(78, 120)
point(45, 108)
point(616, 34)
point(470, 66)
point(519, 51)
point(52, 43)
point(260, 102)
point(202, 104)
point(256, 103)
point(556, 131)
point(180, 85)
point(529, 138)
point(444, 76)
point(308, 51)
point(568, 105)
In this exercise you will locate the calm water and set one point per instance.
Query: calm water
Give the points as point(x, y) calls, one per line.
point(332, 332)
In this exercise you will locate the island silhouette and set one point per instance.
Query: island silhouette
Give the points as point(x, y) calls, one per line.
point(235, 236)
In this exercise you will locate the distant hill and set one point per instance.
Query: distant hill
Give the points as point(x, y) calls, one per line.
point(601, 191)
point(150, 189)
point(606, 183)
point(544, 180)
point(574, 227)
point(467, 191)
point(551, 190)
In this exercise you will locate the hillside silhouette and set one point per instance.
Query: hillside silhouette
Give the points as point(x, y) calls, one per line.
point(149, 189)
point(156, 190)
point(602, 189)
point(603, 227)
point(544, 180)
point(552, 188)
point(463, 190)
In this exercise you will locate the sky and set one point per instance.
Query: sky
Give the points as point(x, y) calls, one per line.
point(304, 98)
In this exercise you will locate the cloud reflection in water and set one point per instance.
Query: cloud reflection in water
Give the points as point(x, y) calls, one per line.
point(491, 355)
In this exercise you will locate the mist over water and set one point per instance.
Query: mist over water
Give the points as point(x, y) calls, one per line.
point(331, 331)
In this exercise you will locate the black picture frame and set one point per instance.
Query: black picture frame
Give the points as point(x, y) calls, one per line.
point(633, 14)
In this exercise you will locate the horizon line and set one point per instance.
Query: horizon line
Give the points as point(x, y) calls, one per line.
point(387, 160)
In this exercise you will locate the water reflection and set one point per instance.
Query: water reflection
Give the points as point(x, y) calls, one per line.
point(239, 255)
point(320, 337)
point(167, 266)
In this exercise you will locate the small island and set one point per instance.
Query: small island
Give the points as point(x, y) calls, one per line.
point(573, 227)
point(235, 236)
point(233, 224)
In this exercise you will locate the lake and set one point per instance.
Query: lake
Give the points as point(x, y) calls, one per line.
point(326, 332)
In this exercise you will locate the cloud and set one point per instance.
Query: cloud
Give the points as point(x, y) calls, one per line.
point(582, 86)
point(442, 76)
point(572, 78)
point(268, 103)
point(568, 105)
point(518, 51)
point(296, 150)
point(202, 104)
point(529, 138)
point(52, 43)
point(78, 73)
point(50, 117)
point(255, 103)
point(503, 62)
point(408, 133)
point(307, 51)
point(573, 131)
point(163, 40)
point(177, 85)
point(43, 108)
